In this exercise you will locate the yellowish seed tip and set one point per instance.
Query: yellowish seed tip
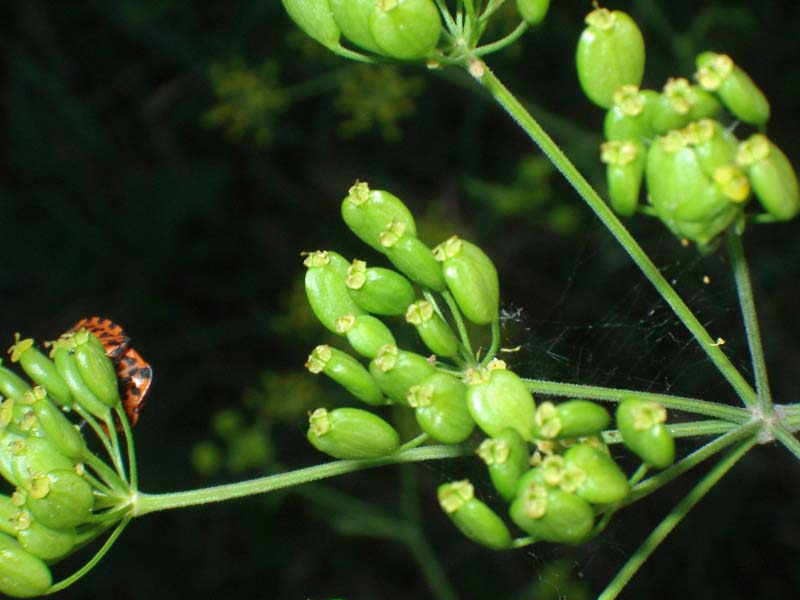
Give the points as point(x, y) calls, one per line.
point(358, 193)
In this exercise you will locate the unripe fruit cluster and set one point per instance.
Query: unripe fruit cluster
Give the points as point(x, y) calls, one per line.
point(353, 300)
point(393, 29)
point(554, 491)
point(698, 176)
point(50, 510)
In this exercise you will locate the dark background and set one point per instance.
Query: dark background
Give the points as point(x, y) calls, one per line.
point(165, 163)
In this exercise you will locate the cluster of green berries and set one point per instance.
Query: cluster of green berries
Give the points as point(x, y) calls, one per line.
point(393, 29)
point(554, 491)
point(56, 502)
point(698, 175)
point(396, 30)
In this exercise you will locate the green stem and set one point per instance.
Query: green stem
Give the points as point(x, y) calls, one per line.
point(648, 486)
point(147, 503)
point(700, 428)
point(471, 17)
point(744, 289)
point(460, 326)
point(790, 419)
point(65, 583)
point(495, 343)
point(788, 440)
point(448, 18)
point(107, 474)
point(414, 442)
point(129, 444)
point(671, 521)
point(681, 430)
point(97, 484)
point(502, 42)
point(591, 392)
point(485, 77)
point(95, 426)
point(492, 7)
point(352, 55)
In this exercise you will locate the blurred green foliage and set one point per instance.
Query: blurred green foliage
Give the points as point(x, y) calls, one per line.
point(249, 100)
point(117, 198)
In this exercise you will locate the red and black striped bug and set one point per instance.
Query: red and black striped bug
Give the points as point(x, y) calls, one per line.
point(134, 374)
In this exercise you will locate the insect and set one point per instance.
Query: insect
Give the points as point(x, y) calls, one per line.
point(134, 374)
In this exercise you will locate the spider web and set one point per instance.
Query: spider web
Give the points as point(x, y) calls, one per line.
point(627, 337)
point(631, 338)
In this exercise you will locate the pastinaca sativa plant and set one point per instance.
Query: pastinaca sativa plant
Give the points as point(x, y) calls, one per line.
point(696, 155)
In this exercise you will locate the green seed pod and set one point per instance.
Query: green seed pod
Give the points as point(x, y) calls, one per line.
point(610, 54)
point(349, 433)
point(41, 370)
point(433, 330)
point(326, 290)
point(593, 475)
point(366, 334)
point(773, 178)
point(8, 514)
point(22, 575)
point(571, 419)
point(405, 29)
point(352, 17)
point(409, 254)
point(717, 73)
point(472, 279)
point(681, 103)
point(507, 458)
point(473, 518)
point(625, 161)
point(631, 116)
point(550, 514)
point(440, 401)
point(59, 430)
point(641, 424)
point(379, 291)
point(43, 542)
point(315, 19)
point(35, 456)
point(396, 371)
point(61, 499)
point(713, 145)
point(8, 412)
point(497, 398)
point(368, 212)
point(69, 371)
point(96, 369)
point(685, 199)
point(11, 441)
point(533, 11)
point(347, 372)
point(11, 384)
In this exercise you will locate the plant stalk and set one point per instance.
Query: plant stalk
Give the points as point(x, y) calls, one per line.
point(744, 289)
point(147, 503)
point(671, 521)
point(483, 75)
point(733, 414)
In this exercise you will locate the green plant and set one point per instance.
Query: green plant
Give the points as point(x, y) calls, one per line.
point(472, 293)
